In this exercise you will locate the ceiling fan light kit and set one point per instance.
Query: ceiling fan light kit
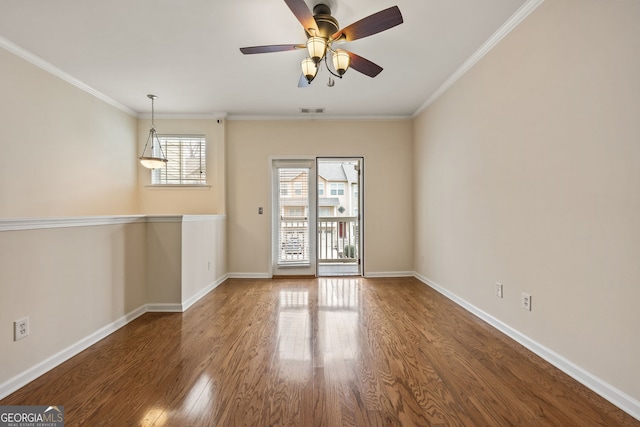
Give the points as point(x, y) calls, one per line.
point(322, 31)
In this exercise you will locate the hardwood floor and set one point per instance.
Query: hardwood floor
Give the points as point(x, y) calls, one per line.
point(315, 352)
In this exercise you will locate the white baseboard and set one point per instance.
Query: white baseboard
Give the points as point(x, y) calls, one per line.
point(46, 365)
point(41, 368)
point(195, 298)
point(249, 276)
point(607, 391)
point(163, 308)
point(376, 274)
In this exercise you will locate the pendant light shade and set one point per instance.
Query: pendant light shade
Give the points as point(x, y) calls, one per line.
point(316, 46)
point(341, 61)
point(309, 69)
point(152, 161)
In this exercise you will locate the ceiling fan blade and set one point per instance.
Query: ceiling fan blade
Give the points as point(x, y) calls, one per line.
point(304, 15)
point(363, 65)
point(370, 25)
point(271, 48)
point(303, 81)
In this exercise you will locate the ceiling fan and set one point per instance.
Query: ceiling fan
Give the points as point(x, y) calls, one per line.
point(323, 33)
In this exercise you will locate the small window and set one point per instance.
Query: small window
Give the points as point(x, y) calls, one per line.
point(337, 189)
point(326, 211)
point(321, 189)
point(186, 155)
point(296, 211)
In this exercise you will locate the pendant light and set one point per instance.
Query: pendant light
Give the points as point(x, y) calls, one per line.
point(151, 161)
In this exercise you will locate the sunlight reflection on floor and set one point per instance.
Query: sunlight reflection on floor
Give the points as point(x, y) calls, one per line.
point(336, 319)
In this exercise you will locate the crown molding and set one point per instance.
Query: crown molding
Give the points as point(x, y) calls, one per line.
point(51, 69)
point(170, 116)
point(314, 117)
point(524, 11)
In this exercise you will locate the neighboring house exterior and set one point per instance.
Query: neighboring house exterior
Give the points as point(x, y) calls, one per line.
point(337, 189)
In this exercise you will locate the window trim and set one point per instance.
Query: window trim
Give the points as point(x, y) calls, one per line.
point(203, 159)
point(178, 186)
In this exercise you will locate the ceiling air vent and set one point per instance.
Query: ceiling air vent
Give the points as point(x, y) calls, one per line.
point(312, 110)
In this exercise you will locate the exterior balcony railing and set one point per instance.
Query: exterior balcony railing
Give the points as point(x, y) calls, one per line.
point(338, 239)
point(294, 240)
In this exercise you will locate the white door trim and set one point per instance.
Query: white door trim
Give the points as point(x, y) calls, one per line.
point(293, 270)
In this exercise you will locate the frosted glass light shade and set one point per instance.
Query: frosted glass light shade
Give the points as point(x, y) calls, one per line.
point(309, 69)
point(316, 46)
point(341, 61)
point(153, 162)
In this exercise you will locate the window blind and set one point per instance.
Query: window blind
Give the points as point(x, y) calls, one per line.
point(293, 208)
point(186, 155)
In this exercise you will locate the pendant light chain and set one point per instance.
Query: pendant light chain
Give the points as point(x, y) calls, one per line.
point(153, 98)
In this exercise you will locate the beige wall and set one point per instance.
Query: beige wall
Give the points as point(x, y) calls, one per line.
point(386, 148)
point(527, 173)
point(67, 154)
point(70, 282)
point(185, 200)
point(164, 260)
point(186, 255)
point(204, 253)
point(63, 151)
point(80, 278)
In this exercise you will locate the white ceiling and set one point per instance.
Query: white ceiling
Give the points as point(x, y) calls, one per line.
point(188, 54)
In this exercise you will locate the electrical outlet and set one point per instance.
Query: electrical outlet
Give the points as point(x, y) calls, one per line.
point(526, 301)
point(208, 265)
point(499, 289)
point(21, 328)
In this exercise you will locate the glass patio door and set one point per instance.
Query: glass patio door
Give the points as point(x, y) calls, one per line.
point(339, 225)
point(294, 215)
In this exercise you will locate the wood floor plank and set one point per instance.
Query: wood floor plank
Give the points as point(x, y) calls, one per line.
point(316, 352)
